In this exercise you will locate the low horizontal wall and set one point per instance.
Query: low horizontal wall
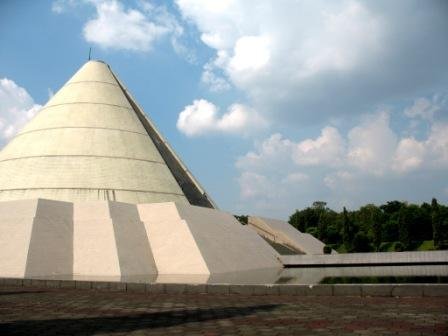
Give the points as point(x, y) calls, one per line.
point(384, 290)
point(374, 258)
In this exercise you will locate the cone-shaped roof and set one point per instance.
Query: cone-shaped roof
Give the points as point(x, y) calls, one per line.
point(91, 141)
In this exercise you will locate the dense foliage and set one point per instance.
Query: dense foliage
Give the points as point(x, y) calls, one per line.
point(394, 226)
point(242, 219)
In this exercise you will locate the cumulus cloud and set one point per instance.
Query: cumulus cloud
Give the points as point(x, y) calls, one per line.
point(437, 145)
point(62, 6)
point(295, 178)
point(16, 108)
point(215, 82)
point(344, 169)
point(137, 28)
point(293, 58)
point(372, 144)
point(423, 108)
point(251, 53)
point(327, 149)
point(203, 117)
point(254, 185)
point(118, 28)
point(409, 155)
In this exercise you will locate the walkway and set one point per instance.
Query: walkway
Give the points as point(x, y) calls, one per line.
point(27, 311)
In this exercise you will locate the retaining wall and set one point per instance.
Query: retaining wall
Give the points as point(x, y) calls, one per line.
point(374, 258)
point(385, 290)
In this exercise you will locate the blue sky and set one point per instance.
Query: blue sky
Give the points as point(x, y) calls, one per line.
point(271, 104)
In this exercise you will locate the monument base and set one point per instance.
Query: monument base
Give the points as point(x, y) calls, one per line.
point(42, 237)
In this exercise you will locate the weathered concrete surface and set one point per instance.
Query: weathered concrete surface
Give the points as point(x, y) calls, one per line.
point(374, 258)
point(90, 142)
point(283, 233)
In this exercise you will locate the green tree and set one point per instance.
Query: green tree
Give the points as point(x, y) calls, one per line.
point(321, 208)
point(436, 222)
point(392, 207)
point(361, 242)
point(439, 225)
point(404, 234)
point(294, 220)
point(348, 231)
point(303, 219)
point(242, 219)
point(389, 232)
point(370, 221)
point(425, 222)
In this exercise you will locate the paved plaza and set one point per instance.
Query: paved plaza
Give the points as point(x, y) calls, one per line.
point(35, 311)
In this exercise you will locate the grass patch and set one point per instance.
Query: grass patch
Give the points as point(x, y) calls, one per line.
point(426, 245)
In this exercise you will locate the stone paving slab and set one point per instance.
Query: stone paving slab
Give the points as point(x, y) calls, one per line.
point(62, 311)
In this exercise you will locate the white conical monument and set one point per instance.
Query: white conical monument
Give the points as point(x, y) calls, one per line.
point(92, 142)
point(90, 189)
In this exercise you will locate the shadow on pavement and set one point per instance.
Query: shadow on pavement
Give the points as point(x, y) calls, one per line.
point(21, 292)
point(125, 323)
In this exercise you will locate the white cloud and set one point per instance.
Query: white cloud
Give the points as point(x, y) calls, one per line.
point(288, 41)
point(202, 117)
point(422, 108)
point(254, 185)
point(274, 152)
point(212, 80)
point(437, 145)
point(331, 180)
point(61, 6)
point(372, 144)
point(409, 155)
point(370, 162)
point(251, 53)
point(118, 28)
point(327, 149)
point(134, 28)
point(295, 178)
point(16, 108)
point(197, 118)
point(293, 57)
point(412, 154)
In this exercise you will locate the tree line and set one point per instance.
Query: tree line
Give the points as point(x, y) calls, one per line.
point(394, 226)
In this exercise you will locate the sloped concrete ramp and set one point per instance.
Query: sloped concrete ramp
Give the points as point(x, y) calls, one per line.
point(283, 233)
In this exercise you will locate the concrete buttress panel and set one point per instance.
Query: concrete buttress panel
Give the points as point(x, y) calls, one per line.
point(94, 246)
point(16, 224)
point(173, 246)
point(50, 249)
point(225, 244)
point(133, 248)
